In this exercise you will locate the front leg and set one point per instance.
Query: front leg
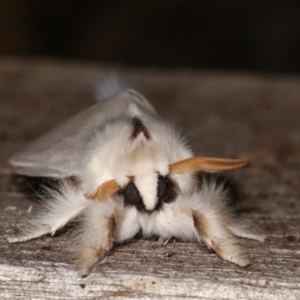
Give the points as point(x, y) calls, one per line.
point(86, 256)
point(213, 231)
point(59, 207)
point(214, 221)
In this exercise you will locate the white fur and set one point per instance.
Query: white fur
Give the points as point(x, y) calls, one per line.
point(112, 153)
point(60, 207)
point(176, 219)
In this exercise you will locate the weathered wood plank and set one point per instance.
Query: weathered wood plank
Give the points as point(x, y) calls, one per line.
point(224, 114)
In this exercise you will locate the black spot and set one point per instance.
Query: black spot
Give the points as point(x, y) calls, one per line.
point(166, 190)
point(46, 248)
point(166, 193)
point(291, 238)
point(131, 196)
point(161, 187)
point(136, 122)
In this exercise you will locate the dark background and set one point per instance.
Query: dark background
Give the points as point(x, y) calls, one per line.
point(231, 35)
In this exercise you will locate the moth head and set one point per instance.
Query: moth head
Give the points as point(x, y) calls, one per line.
point(141, 158)
point(149, 190)
point(143, 190)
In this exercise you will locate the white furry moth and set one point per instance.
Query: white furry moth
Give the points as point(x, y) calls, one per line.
point(134, 173)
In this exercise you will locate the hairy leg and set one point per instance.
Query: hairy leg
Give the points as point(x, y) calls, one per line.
point(244, 231)
point(215, 220)
point(217, 237)
point(59, 207)
point(86, 256)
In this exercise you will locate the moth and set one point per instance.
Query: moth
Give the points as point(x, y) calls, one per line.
point(131, 172)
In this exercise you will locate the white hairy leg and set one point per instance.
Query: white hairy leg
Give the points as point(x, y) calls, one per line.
point(86, 256)
point(217, 237)
point(59, 208)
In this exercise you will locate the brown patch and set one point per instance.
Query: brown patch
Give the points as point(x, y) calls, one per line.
point(226, 248)
point(139, 127)
point(87, 257)
point(98, 254)
point(111, 232)
point(201, 163)
point(108, 240)
point(201, 226)
point(105, 190)
point(218, 249)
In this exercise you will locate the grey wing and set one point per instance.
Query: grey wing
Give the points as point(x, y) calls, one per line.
point(57, 153)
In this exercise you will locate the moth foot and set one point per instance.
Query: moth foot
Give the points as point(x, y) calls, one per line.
point(244, 231)
point(241, 261)
point(84, 271)
point(17, 239)
point(86, 258)
point(30, 236)
point(162, 242)
point(253, 236)
point(257, 237)
point(233, 253)
point(20, 238)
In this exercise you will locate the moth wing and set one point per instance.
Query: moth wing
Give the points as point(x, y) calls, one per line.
point(57, 153)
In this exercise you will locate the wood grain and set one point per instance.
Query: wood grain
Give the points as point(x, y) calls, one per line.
point(225, 115)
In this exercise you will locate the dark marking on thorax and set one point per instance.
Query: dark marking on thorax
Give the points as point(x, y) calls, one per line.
point(167, 191)
point(139, 127)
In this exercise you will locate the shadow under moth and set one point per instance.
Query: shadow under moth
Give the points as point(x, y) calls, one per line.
point(133, 173)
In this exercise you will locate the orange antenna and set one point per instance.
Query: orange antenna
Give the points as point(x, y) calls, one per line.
point(105, 190)
point(203, 163)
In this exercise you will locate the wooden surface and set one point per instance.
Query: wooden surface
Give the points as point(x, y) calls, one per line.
point(230, 115)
